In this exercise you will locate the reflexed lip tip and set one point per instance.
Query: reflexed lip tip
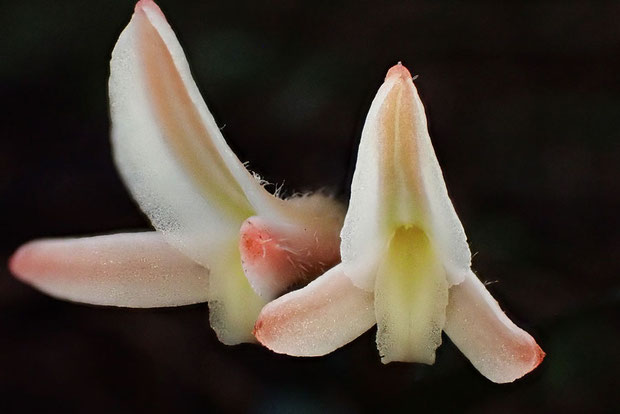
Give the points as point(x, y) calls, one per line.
point(398, 70)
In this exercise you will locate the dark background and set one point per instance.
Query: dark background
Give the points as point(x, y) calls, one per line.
point(523, 102)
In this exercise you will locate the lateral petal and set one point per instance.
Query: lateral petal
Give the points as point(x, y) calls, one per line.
point(411, 294)
point(168, 147)
point(496, 347)
point(318, 319)
point(398, 181)
point(138, 270)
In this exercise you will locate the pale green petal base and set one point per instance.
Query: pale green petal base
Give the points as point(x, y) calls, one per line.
point(411, 295)
point(233, 304)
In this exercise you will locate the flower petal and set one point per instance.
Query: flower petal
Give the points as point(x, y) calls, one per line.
point(318, 319)
point(233, 304)
point(168, 147)
point(499, 349)
point(182, 173)
point(277, 256)
point(411, 294)
point(398, 181)
point(138, 270)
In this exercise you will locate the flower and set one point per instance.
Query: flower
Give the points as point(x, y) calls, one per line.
point(215, 221)
point(406, 264)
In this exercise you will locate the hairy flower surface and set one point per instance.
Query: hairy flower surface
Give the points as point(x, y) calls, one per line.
point(221, 237)
point(406, 264)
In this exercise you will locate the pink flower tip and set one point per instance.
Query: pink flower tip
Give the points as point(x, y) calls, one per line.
point(540, 355)
point(143, 4)
point(398, 70)
point(19, 261)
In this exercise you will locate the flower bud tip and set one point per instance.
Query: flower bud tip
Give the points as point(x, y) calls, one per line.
point(398, 70)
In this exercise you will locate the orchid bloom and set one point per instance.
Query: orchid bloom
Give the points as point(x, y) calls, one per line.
point(406, 264)
point(215, 221)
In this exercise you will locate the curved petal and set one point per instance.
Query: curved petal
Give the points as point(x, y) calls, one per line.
point(499, 349)
point(138, 270)
point(180, 170)
point(411, 294)
point(278, 256)
point(398, 181)
point(168, 147)
point(318, 319)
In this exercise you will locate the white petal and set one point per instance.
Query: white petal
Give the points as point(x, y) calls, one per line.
point(137, 270)
point(411, 294)
point(178, 167)
point(168, 147)
point(499, 349)
point(398, 181)
point(318, 319)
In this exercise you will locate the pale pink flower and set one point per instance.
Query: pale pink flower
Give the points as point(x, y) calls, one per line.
point(406, 264)
point(215, 221)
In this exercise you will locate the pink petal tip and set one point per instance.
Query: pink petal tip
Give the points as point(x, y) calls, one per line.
point(398, 70)
point(144, 4)
point(21, 263)
point(540, 355)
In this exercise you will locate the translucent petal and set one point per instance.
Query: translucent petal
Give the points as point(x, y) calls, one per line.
point(318, 319)
point(138, 270)
point(411, 294)
point(398, 182)
point(168, 147)
point(499, 349)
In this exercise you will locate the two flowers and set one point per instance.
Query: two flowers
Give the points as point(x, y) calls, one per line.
point(398, 257)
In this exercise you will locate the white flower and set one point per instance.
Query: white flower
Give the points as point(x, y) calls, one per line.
point(214, 219)
point(405, 261)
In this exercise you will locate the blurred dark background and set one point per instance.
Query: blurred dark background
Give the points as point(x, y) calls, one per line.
point(523, 101)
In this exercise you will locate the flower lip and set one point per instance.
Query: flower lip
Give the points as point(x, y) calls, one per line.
point(398, 70)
